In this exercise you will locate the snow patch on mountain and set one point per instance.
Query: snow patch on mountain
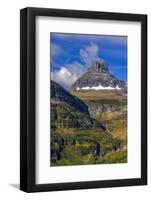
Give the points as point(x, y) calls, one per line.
point(100, 87)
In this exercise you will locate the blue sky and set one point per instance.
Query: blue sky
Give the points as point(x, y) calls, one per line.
point(72, 54)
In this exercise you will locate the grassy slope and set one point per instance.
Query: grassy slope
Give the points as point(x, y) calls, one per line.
point(115, 121)
point(96, 95)
point(82, 143)
point(65, 116)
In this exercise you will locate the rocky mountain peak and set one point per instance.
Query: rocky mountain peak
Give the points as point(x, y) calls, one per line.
point(99, 67)
point(98, 77)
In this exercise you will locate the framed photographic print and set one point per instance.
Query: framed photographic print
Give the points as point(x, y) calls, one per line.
point(83, 112)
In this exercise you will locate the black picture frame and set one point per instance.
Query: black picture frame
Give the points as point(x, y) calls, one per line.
point(28, 99)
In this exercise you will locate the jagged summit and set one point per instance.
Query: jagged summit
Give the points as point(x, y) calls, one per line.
point(98, 77)
point(99, 67)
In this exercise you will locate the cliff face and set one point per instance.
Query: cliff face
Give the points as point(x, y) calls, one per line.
point(98, 77)
point(97, 108)
point(103, 101)
point(58, 93)
point(65, 116)
point(68, 111)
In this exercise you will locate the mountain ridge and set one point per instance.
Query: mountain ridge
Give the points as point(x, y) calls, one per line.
point(68, 111)
point(98, 77)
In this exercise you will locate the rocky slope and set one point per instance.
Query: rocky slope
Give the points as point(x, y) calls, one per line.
point(100, 90)
point(68, 111)
point(102, 101)
point(98, 77)
point(58, 93)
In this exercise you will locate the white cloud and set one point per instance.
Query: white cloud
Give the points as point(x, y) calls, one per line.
point(68, 74)
point(89, 54)
point(76, 68)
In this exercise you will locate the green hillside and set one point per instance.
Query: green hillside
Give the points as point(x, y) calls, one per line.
point(78, 136)
point(65, 116)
